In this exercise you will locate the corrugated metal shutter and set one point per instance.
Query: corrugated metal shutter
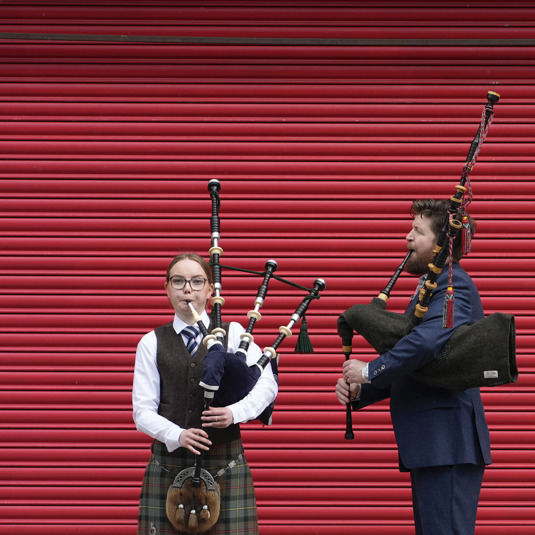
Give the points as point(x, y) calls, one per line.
point(321, 123)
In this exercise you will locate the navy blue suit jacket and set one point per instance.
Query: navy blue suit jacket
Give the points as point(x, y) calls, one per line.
point(433, 426)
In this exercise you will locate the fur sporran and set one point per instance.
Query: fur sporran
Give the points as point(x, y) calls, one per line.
point(193, 503)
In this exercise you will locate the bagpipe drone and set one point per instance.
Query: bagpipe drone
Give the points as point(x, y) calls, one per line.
point(193, 499)
point(479, 355)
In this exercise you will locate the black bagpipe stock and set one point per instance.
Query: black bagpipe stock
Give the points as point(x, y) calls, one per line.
point(479, 355)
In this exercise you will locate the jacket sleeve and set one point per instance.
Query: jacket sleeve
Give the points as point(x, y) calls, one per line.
point(369, 395)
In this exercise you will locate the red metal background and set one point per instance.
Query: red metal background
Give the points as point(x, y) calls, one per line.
point(322, 124)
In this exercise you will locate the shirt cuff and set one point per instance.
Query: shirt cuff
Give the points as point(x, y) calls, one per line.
point(365, 374)
point(173, 440)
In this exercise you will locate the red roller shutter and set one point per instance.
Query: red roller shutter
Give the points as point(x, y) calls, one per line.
point(322, 124)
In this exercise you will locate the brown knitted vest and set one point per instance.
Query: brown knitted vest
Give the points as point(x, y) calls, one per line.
point(181, 397)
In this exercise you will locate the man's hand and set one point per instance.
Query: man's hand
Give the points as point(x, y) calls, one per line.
point(346, 393)
point(353, 371)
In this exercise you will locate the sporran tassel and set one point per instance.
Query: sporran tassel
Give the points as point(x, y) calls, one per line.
point(180, 514)
point(205, 513)
point(193, 521)
point(449, 303)
point(466, 236)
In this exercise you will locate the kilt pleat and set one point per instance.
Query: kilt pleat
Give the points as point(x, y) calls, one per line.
point(238, 514)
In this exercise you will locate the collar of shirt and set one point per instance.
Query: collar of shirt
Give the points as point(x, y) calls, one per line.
point(178, 324)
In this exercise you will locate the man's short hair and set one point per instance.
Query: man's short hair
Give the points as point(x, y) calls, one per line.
point(437, 211)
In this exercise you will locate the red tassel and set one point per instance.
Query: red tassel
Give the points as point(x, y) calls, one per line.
point(466, 236)
point(449, 303)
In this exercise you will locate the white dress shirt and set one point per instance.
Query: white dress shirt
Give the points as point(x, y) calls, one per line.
point(146, 388)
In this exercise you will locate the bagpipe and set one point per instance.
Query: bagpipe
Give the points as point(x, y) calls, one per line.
point(479, 355)
point(193, 499)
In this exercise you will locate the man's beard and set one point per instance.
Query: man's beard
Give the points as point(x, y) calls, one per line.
point(418, 266)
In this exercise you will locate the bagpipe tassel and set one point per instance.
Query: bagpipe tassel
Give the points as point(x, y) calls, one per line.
point(466, 236)
point(303, 345)
point(449, 303)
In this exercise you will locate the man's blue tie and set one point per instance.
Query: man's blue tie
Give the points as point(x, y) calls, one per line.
point(191, 334)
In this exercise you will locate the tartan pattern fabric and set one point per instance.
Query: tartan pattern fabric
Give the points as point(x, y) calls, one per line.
point(191, 334)
point(238, 502)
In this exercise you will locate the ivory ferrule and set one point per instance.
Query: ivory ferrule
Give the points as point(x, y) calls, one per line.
point(285, 330)
point(247, 336)
point(219, 332)
point(254, 314)
point(270, 352)
point(209, 340)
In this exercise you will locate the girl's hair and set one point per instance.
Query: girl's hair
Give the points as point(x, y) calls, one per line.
point(196, 258)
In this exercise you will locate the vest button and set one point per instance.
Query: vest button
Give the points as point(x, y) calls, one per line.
point(192, 364)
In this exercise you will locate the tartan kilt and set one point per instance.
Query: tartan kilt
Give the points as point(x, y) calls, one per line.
point(238, 502)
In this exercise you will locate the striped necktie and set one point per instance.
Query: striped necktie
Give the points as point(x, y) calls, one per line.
point(191, 334)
